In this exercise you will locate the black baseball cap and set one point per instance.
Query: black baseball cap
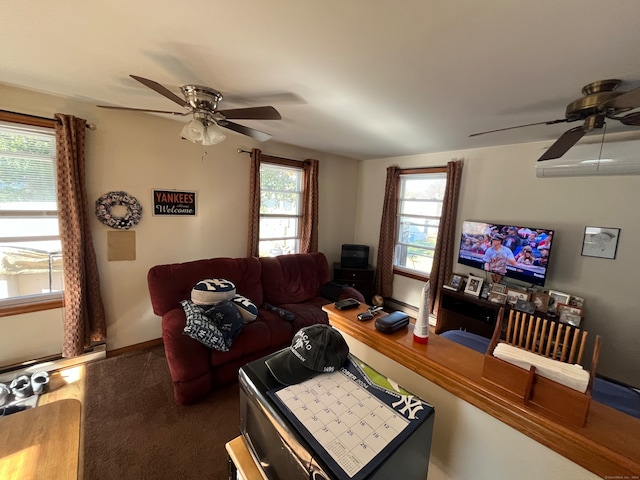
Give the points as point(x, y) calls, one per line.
point(315, 349)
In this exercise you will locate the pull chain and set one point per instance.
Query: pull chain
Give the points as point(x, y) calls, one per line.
point(204, 153)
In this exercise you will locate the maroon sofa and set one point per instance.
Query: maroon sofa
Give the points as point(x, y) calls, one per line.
point(292, 282)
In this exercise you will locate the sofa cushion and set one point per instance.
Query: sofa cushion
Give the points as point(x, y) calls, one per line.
point(293, 278)
point(307, 313)
point(267, 333)
point(171, 283)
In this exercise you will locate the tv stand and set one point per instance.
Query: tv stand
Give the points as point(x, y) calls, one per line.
point(459, 310)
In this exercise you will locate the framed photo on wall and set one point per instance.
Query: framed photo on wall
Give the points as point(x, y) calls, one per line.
point(600, 242)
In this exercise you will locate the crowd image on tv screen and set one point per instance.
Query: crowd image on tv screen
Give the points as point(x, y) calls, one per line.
point(500, 246)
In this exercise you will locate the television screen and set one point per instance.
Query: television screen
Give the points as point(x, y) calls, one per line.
point(521, 253)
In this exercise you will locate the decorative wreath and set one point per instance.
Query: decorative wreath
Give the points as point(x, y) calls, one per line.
point(108, 200)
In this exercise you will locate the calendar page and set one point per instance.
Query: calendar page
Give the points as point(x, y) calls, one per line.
point(353, 418)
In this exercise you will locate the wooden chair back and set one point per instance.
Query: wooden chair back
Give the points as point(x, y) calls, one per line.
point(545, 337)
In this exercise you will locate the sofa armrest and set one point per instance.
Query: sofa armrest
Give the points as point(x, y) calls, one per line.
point(187, 358)
point(350, 292)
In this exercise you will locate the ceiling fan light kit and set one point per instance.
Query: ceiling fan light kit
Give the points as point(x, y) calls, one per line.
point(197, 131)
point(202, 103)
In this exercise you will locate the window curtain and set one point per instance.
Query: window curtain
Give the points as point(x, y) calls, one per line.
point(387, 241)
point(309, 227)
point(445, 244)
point(254, 204)
point(84, 318)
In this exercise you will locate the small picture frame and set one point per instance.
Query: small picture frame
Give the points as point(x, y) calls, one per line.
point(514, 295)
point(576, 301)
point(498, 288)
point(556, 298)
point(600, 242)
point(568, 314)
point(474, 285)
point(497, 297)
point(486, 289)
point(525, 306)
point(455, 282)
point(541, 301)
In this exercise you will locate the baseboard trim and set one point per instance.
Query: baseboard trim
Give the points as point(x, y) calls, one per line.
point(393, 304)
point(55, 362)
point(136, 347)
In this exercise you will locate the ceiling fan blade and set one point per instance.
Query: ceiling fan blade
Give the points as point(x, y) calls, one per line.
point(561, 146)
point(252, 113)
point(627, 100)
point(143, 110)
point(161, 90)
point(550, 122)
point(632, 119)
point(251, 132)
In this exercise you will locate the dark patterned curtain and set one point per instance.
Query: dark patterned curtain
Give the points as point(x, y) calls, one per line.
point(387, 242)
point(445, 244)
point(84, 317)
point(254, 204)
point(309, 227)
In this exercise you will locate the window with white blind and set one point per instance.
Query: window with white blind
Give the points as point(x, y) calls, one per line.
point(280, 209)
point(419, 209)
point(30, 249)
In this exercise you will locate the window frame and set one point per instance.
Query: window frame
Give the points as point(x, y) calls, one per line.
point(399, 270)
point(37, 302)
point(286, 163)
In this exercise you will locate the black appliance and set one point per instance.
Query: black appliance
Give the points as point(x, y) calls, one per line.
point(283, 452)
point(354, 256)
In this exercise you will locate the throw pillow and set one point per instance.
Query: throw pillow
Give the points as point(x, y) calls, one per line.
point(212, 291)
point(227, 318)
point(201, 328)
point(248, 310)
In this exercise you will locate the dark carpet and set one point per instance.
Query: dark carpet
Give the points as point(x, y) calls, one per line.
point(134, 429)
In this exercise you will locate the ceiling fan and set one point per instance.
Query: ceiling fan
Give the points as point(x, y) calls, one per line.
point(600, 101)
point(202, 103)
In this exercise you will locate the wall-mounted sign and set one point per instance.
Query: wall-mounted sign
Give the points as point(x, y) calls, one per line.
point(174, 202)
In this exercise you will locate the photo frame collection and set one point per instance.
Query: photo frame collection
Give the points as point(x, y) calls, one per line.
point(568, 308)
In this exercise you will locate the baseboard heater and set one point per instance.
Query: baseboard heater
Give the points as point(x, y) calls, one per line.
point(52, 363)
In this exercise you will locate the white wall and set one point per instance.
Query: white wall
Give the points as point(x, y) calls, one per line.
point(136, 152)
point(499, 185)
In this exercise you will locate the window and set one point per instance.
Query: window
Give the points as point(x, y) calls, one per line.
point(30, 248)
point(280, 209)
point(420, 198)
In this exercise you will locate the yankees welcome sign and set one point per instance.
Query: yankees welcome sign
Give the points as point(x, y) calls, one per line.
point(174, 202)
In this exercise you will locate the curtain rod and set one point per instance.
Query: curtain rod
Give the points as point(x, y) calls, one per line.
point(90, 126)
point(241, 150)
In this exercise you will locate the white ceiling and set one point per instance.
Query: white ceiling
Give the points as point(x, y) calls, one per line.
point(361, 78)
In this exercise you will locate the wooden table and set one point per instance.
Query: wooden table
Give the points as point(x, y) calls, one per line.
point(41, 442)
point(242, 465)
point(608, 444)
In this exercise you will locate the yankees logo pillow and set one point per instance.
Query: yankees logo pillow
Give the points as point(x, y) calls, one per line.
point(248, 310)
point(212, 291)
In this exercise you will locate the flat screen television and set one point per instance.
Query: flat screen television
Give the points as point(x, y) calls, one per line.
point(518, 252)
